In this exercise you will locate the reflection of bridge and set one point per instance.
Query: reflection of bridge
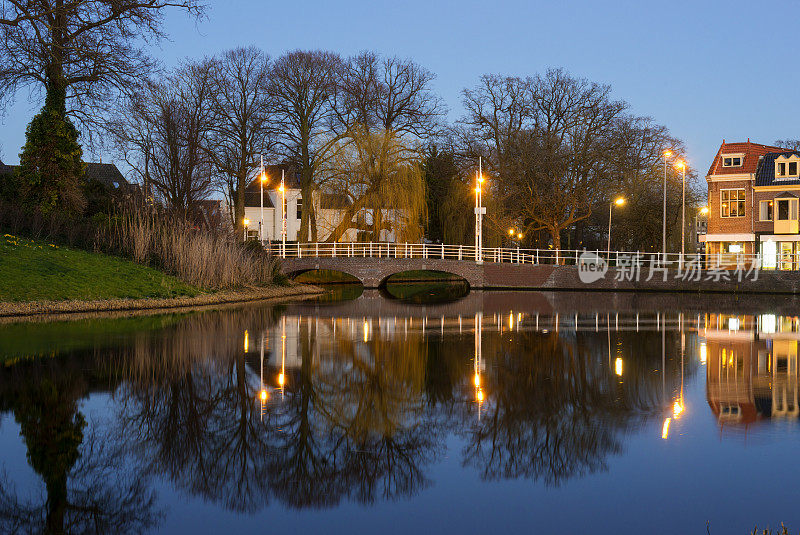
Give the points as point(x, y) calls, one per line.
point(373, 263)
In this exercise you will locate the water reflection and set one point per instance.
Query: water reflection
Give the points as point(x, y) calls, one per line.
point(310, 406)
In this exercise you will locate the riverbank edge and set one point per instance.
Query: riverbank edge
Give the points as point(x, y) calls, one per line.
point(37, 308)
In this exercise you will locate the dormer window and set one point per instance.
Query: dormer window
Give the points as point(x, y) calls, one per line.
point(732, 160)
point(787, 166)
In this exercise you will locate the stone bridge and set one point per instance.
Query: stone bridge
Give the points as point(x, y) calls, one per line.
point(373, 272)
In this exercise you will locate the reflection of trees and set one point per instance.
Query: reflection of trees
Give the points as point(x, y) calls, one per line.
point(353, 423)
point(555, 410)
point(85, 489)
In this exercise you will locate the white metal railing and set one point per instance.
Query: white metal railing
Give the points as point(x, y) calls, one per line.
point(516, 255)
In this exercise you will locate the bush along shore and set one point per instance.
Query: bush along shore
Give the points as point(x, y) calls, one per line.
point(137, 258)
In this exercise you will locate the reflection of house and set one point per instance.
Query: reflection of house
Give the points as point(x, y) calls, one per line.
point(753, 195)
point(329, 208)
point(751, 367)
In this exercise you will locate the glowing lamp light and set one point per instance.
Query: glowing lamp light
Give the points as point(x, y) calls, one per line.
point(703, 353)
point(618, 366)
point(246, 341)
point(479, 396)
point(477, 380)
point(704, 210)
point(263, 395)
point(680, 165)
point(511, 232)
point(480, 179)
point(667, 153)
point(281, 379)
point(264, 177)
point(677, 409)
point(665, 429)
point(619, 201)
point(519, 236)
point(246, 221)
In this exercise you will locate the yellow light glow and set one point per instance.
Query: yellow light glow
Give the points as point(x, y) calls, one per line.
point(366, 331)
point(511, 320)
point(477, 380)
point(703, 353)
point(704, 210)
point(667, 153)
point(263, 395)
point(480, 179)
point(281, 379)
point(280, 188)
point(246, 222)
point(264, 177)
point(511, 232)
point(246, 341)
point(619, 201)
point(677, 409)
point(680, 165)
point(479, 396)
point(477, 190)
point(665, 429)
point(618, 366)
point(519, 236)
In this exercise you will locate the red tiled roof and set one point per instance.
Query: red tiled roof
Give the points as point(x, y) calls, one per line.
point(751, 153)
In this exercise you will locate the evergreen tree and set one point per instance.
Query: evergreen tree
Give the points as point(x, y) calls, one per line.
point(51, 166)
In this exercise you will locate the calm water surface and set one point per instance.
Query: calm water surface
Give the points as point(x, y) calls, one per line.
point(519, 412)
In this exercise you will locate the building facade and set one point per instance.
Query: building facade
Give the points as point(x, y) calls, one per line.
point(753, 193)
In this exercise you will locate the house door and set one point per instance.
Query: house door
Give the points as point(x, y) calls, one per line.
point(786, 255)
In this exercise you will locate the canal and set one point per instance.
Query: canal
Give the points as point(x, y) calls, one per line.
point(407, 411)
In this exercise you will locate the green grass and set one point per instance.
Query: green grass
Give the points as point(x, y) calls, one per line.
point(33, 271)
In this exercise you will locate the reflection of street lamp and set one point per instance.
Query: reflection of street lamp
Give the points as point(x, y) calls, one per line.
point(619, 201)
point(282, 190)
point(618, 366)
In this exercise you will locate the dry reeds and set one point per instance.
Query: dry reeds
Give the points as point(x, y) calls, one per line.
point(200, 257)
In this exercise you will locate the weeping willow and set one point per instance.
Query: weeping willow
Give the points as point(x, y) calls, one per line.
point(379, 173)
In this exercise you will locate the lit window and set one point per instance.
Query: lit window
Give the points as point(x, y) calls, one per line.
point(765, 211)
point(732, 202)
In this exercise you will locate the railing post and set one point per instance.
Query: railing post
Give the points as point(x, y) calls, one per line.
point(556, 256)
point(442, 251)
point(370, 249)
point(299, 251)
point(460, 249)
point(576, 257)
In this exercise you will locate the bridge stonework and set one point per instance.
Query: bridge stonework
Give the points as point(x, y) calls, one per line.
point(372, 272)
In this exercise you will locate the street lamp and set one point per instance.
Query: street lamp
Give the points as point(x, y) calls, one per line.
point(619, 201)
point(282, 190)
point(681, 166)
point(667, 154)
point(262, 181)
point(479, 211)
point(246, 223)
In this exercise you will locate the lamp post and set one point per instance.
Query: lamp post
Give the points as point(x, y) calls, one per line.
point(246, 223)
point(282, 189)
point(619, 201)
point(262, 180)
point(667, 154)
point(479, 211)
point(682, 167)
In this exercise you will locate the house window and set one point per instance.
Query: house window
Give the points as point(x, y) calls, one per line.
point(765, 211)
point(299, 208)
point(731, 161)
point(732, 202)
point(787, 209)
point(786, 167)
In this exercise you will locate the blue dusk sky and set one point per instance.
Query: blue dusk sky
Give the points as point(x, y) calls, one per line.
point(707, 70)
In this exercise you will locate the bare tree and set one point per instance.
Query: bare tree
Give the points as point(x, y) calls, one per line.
point(165, 134)
point(88, 50)
point(387, 110)
point(241, 128)
point(304, 88)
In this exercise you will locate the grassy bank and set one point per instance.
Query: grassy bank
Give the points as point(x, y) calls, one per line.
point(39, 271)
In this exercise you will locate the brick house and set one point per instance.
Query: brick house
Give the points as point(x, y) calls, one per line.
point(753, 193)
